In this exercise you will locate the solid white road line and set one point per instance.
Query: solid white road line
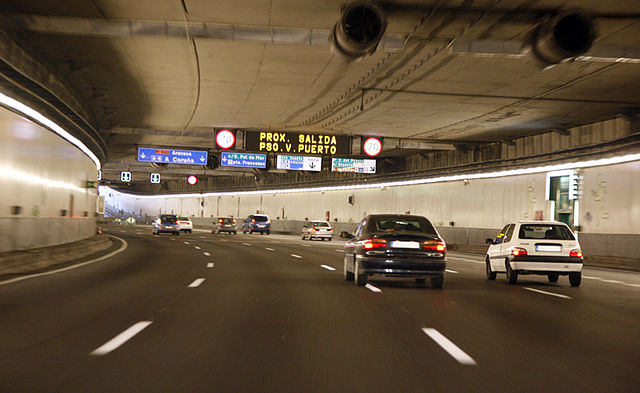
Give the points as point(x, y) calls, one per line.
point(64, 269)
point(295, 256)
point(202, 237)
point(210, 264)
point(196, 282)
point(339, 250)
point(207, 254)
point(633, 285)
point(306, 245)
point(121, 338)
point(247, 244)
point(453, 350)
point(372, 288)
point(547, 293)
point(197, 248)
point(328, 267)
point(268, 248)
point(591, 278)
point(451, 271)
point(186, 242)
point(612, 281)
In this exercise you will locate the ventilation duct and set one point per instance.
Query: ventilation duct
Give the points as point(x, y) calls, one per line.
point(359, 30)
point(562, 37)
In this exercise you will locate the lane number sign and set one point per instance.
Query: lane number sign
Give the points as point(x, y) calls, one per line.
point(225, 139)
point(372, 146)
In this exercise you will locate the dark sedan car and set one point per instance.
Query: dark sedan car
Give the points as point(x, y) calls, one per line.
point(225, 224)
point(395, 245)
point(166, 223)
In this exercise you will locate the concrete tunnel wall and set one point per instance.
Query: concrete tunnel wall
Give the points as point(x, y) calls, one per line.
point(609, 207)
point(43, 196)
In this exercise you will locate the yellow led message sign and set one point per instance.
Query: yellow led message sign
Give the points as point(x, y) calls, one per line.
point(298, 143)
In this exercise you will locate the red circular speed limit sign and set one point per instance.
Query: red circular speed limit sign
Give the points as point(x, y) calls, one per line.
point(225, 139)
point(372, 146)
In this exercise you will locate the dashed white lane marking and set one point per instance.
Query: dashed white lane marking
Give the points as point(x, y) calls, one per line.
point(633, 285)
point(451, 348)
point(372, 288)
point(202, 237)
point(196, 282)
point(451, 271)
point(465, 259)
point(328, 267)
point(295, 256)
point(121, 338)
point(186, 242)
point(339, 250)
point(306, 245)
point(197, 248)
point(207, 254)
point(247, 244)
point(547, 293)
point(591, 278)
point(269, 248)
point(224, 240)
point(210, 265)
point(173, 240)
point(611, 281)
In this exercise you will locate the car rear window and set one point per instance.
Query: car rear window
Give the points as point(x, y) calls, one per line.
point(403, 224)
point(545, 231)
point(320, 224)
point(182, 218)
point(227, 220)
point(168, 218)
point(260, 218)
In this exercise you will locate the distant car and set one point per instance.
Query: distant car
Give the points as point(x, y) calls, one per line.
point(257, 223)
point(225, 224)
point(535, 247)
point(166, 223)
point(318, 230)
point(185, 224)
point(395, 245)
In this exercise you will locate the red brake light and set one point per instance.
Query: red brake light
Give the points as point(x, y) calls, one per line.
point(435, 245)
point(253, 220)
point(220, 220)
point(518, 251)
point(234, 220)
point(575, 253)
point(313, 229)
point(374, 243)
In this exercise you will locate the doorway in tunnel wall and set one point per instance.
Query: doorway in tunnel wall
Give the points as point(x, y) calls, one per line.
point(561, 190)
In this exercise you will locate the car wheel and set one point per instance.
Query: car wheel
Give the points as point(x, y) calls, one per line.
point(262, 232)
point(575, 279)
point(235, 233)
point(359, 279)
point(491, 275)
point(512, 277)
point(330, 239)
point(553, 277)
point(268, 232)
point(250, 232)
point(347, 274)
point(437, 282)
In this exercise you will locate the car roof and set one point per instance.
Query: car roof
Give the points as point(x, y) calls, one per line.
point(529, 222)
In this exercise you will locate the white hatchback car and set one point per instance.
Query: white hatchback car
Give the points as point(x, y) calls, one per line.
point(318, 230)
point(185, 224)
point(535, 247)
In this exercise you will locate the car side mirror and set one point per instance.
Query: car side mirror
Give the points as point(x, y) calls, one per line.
point(489, 241)
point(346, 235)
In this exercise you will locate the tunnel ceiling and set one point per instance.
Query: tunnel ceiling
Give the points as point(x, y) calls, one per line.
point(160, 86)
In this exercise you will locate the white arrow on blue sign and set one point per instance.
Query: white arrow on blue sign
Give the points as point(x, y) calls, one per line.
point(172, 156)
point(299, 163)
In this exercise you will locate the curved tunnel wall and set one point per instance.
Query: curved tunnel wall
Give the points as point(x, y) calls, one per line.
point(609, 207)
point(43, 196)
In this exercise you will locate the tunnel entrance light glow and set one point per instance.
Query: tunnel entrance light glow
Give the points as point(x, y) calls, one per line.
point(487, 175)
point(37, 116)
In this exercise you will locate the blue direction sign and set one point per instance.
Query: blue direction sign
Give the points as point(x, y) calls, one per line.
point(299, 163)
point(172, 156)
point(243, 160)
point(353, 165)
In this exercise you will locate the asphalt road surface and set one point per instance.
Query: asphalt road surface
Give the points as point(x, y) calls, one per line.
point(267, 313)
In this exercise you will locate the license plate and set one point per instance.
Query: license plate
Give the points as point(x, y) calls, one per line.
point(543, 247)
point(401, 244)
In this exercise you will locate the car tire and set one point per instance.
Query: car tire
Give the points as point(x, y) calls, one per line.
point(244, 232)
point(330, 239)
point(348, 276)
point(491, 275)
point(262, 232)
point(359, 279)
point(575, 279)
point(268, 232)
point(512, 276)
point(553, 277)
point(250, 232)
point(437, 282)
point(235, 233)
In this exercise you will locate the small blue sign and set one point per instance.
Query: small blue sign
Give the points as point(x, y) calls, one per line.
point(243, 160)
point(172, 156)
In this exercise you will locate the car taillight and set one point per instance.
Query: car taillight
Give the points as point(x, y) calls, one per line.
point(575, 253)
point(374, 243)
point(234, 220)
point(313, 229)
point(435, 245)
point(330, 229)
point(518, 251)
point(220, 220)
point(253, 220)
